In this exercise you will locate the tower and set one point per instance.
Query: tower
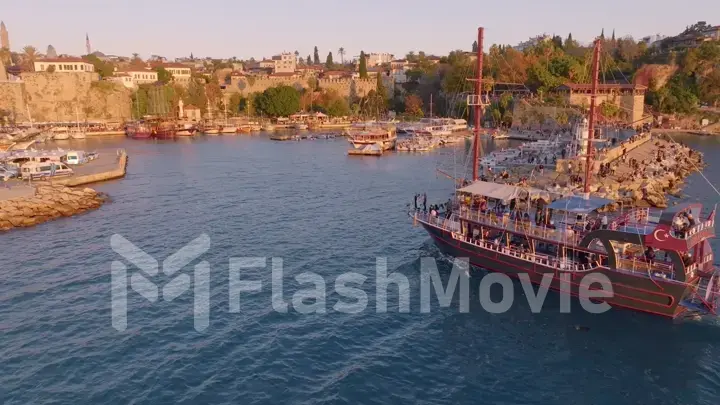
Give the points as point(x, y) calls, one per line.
point(87, 44)
point(4, 38)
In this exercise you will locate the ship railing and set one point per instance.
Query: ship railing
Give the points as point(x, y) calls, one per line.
point(523, 227)
point(698, 228)
point(641, 266)
point(564, 264)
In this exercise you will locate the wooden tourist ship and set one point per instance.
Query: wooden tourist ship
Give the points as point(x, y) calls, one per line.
point(658, 262)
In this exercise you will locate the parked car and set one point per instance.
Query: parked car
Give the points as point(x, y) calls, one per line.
point(7, 173)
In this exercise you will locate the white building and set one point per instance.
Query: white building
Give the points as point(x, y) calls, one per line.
point(136, 75)
point(181, 73)
point(122, 78)
point(532, 42)
point(398, 69)
point(64, 65)
point(284, 63)
point(653, 40)
point(376, 59)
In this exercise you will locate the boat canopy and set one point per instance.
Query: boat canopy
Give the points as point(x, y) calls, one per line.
point(579, 204)
point(504, 192)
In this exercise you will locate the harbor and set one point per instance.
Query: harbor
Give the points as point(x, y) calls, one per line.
point(354, 218)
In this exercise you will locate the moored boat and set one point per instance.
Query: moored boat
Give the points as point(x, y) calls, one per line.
point(572, 242)
point(138, 130)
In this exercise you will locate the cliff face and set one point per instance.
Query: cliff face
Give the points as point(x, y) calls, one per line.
point(64, 97)
point(657, 75)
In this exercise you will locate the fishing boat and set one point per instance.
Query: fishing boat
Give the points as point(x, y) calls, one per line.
point(570, 239)
point(384, 139)
point(228, 129)
point(138, 130)
point(163, 129)
point(186, 130)
point(61, 135)
point(77, 134)
point(367, 150)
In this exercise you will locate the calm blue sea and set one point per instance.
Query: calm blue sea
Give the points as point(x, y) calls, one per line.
point(322, 212)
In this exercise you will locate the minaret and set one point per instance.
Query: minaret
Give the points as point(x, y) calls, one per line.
point(87, 44)
point(4, 38)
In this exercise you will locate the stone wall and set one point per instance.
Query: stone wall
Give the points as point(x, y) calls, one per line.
point(345, 87)
point(607, 156)
point(527, 115)
point(65, 97)
point(48, 202)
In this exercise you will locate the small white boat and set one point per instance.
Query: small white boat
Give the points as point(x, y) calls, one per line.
point(268, 127)
point(77, 135)
point(229, 129)
point(61, 136)
point(300, 126)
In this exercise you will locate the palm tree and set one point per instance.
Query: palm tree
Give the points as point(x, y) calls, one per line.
point(29, 54)
point(341, 52)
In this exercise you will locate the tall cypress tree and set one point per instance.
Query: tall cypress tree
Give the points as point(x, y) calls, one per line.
point(363, 66)
point(475, 46)
point(309, 60)
point(329, 61)
point(316, 57)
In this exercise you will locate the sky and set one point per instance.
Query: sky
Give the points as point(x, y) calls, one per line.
point(253, 28)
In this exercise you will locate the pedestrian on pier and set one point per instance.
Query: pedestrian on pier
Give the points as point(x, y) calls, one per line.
point(424, 196)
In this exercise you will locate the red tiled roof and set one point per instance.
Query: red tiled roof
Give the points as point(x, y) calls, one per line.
point(68, 59)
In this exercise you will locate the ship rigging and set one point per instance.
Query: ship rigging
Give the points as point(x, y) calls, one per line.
point(658, 262)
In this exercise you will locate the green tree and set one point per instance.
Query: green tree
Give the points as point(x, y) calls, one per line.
point(234, 103)
point(308, 61)
point(341, 52)
point(164, 76)
point(338, 107)
point(475, 46)
point(329, 61)
point(363, 66)
point(316, 56)
point(195, 95)
point(278, 101)
point(50, 69)
point(104, 69)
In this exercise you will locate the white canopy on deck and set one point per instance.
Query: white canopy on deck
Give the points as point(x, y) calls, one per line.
point(504, 192)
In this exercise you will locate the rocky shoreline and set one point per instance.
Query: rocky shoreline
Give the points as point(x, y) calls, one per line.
point(644, 178)
point(48, 202)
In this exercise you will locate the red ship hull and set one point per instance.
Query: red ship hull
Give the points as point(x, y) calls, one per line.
point(654, 296)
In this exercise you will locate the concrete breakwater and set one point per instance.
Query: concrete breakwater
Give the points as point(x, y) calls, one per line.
point(639, 173)
point(47, 203)
point(97, 174)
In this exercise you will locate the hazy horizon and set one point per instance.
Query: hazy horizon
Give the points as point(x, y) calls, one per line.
point(179, 28)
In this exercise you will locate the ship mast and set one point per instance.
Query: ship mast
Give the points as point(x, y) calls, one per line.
point(591, 114)
point(478, 104)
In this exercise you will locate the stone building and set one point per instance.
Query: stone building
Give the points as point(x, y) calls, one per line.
point(629, 97)
point(284, 63)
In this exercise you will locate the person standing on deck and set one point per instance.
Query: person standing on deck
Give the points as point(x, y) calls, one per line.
point(424, 196)
point(604, 221)
point(416, 198)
